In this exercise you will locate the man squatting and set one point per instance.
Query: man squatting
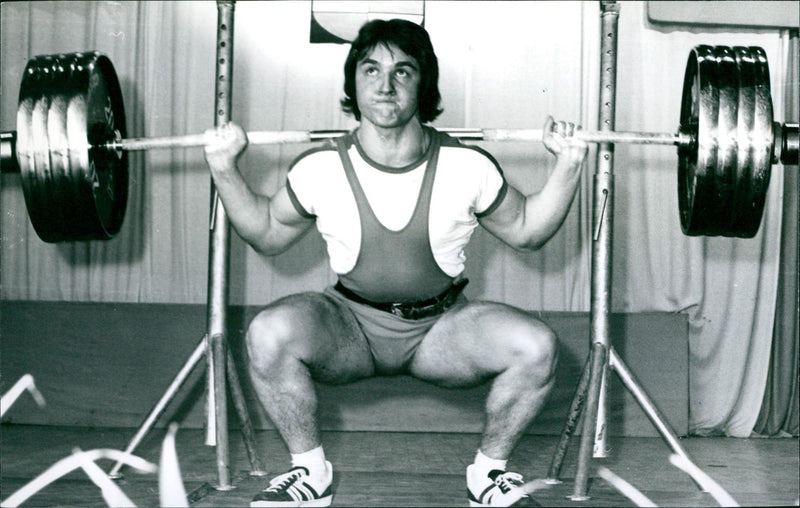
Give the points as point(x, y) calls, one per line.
point(396, 203)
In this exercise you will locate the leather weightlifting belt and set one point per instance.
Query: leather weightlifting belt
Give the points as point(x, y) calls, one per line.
point(412, 310)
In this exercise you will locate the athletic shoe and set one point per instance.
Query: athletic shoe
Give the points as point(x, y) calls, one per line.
point(296, 488)
point(498, 488)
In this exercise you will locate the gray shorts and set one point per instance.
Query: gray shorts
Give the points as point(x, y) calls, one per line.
point(393, 340)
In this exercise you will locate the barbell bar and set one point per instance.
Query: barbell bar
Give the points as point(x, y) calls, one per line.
point(467, 134)
point(70, 144)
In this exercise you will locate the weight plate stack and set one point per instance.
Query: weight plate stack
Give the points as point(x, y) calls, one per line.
point(70, 106)
point(723, 175)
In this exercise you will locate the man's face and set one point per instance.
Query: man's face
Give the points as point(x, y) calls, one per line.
point(387, 86)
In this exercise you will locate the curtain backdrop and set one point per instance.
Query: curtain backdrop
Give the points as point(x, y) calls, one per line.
point(503, 64)
point(780, 411)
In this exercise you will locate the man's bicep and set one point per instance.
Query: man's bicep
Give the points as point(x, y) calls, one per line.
point(285, 212)
point(507, 220)
point(287, 224)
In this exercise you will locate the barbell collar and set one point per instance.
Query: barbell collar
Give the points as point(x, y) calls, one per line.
point(8, 155)
point(785, 148)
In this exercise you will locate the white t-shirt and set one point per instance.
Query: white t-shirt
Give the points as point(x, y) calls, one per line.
point(468, 184)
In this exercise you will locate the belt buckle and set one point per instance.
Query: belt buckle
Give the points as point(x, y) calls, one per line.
point(397, 310)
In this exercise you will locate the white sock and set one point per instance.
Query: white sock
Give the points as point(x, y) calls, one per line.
point(313, 460)
point(485, 464)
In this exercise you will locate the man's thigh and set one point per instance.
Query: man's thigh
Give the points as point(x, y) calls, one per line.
point(315, 329)
point(476, 341)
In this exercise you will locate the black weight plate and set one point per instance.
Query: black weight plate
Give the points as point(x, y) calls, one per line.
point(746, 69)
point(752, 204)
point(725, 176)
point(33, 146)
point(58, 151)
point(99, 176)
point(697, 161)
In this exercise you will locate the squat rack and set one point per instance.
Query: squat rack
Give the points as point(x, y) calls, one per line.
point(221, 371)
point(592, 390)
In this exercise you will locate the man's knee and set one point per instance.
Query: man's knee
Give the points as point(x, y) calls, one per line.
point(538, 352)
point(275, 334)
point(267, 338)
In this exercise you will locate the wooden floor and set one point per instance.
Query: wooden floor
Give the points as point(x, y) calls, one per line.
point(377, 469)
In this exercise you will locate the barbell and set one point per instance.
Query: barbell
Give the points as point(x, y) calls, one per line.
point(70, 145)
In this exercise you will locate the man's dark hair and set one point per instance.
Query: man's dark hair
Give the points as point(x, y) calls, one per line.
point(413, 40)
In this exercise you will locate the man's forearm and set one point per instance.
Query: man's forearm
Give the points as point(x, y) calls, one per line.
point(546, 210)
point(247, 211)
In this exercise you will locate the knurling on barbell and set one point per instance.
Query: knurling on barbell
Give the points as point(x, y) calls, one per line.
point(71, 143)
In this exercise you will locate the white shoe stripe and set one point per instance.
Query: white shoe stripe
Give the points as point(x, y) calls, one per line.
point(292, 491)
point(305, 491)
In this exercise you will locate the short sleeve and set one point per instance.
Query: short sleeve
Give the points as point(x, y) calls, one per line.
point(303, 182)
point(493, 186)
